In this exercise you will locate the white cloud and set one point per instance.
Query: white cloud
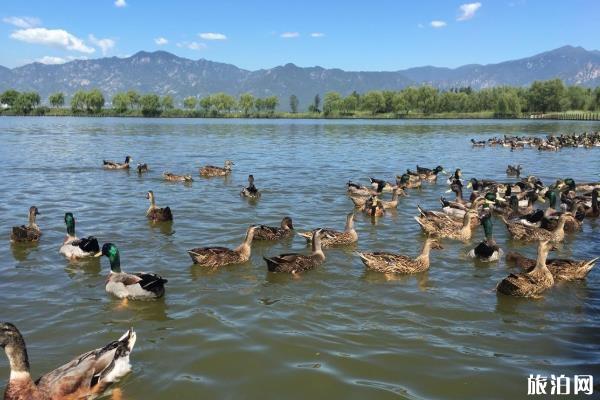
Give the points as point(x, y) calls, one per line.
point(289, 35)
point(317, 34)
point(437, 24)
point(161, 41)
point(58, 60)
point(212, 36)
point(468, 11)
point(52, 37)
point(22, 22)
point(192, 45)
point(104, 44)
point(120, 3)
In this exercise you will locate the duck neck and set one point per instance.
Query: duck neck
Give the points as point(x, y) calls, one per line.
point(247, 243)
point(16, 352)
point(152, 203)
point(350, 219)
point(424, 256)
point(595, 200)
point(317, 250)
point(541, 259)
point(561, 224)
point(115, 262)
point(459, 195)
point(32, 223)
point(395, 195)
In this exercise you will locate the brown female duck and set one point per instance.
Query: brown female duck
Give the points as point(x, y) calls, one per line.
point(444, 226)
point(215, 257)
point(561, 269)
point(286, 230)
point(392, 263)
point(532, 283)
point(374, 207)
point(210, 170)
point(27, 233)
point(155, 213)
point(332, 238)
point(250, 191)
point(168, 176)
point(86, 376)
point(525, 233)
point(295, 263)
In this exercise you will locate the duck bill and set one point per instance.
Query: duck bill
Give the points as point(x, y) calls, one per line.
point(98, 254)
point(469, 185)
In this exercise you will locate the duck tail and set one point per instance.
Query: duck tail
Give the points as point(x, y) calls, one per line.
point(168, 214)
point(305, 235)
point(421, 210)
point(419, 221)
point(590, 264)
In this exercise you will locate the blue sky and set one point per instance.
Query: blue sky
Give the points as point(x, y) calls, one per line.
point(352, 35)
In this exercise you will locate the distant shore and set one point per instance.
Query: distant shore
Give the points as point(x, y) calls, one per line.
point(180, 113)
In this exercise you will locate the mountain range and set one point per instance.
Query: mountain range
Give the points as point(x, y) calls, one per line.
point(164, 73)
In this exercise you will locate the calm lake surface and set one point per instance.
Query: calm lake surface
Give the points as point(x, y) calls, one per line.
point(243, 333)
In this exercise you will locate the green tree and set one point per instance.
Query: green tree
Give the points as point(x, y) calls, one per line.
point(134, 99)
point(315, 106)
point(57, 99)
point(508, 105)
point(120, 102)
point(167, 103)
point(400, 103)
point(294, 104)
point(78, 101)
point(150, 105)
point(26, 102)
point(223, 103)
point(246, 103)
point(259, 105)
point(207, 105)
point(190, 102)
point(349, 104)
point(94, 101)
point(9, 97)
point(577, 97)
point(271, 104)
point(547, 96)
point(596, 99)
point(373, 102)
point(332, 103)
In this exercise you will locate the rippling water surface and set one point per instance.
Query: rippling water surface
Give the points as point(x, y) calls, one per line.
point(243, 333)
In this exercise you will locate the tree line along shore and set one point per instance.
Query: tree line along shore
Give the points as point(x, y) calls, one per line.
point(540, 99)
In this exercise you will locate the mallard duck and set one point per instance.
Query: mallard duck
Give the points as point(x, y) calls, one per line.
point(444, 226)
point(456, 176)
point(137, 285)
point(487, 250)
point(525, 233)
point(332, 238)
point(478, 143)
point(73, 247)
point(295, 263)
point(396, 193)
point(427, 174)
point(215, 257)
point(27, 233)
point(354, 189)
point(380, 185)
point(141, 168)
point(286, 230)
point(373, 207)
point(392, 263)
point(210, 170)
point(561, 269)
point(532, 283)
point(250, 191)
point(404, 181)
point(155, 213)
point(117, 165)
point(168, 176)
point(87, 375)
point(573, 223)
point(514, 170)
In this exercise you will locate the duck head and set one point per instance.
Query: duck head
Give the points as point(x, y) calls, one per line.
point(112, 252)
point(128, 159)
point(286, 223)
point(70, 222)
point(229, 164)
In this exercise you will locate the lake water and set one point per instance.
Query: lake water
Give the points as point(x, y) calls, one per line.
point(243, 333)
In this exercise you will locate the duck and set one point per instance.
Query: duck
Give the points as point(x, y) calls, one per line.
point(525, 233)
point(74, 248)
point(27, 233)
point(561, 269)
point(405, 181)
point(250, 191)
point(443, 226)
point(155, 213)
point(456, 176)
point(392, 263)
point(427, 174)
point(393, 203)
point(272, 233)
point(137, 285)
point(354, 189)
point(141, 168)
point(296, 263)
point(487, 250)
point(533, 282)
point(594, 210)
point(216, 257)
point(332, 238)
point(210, 170)
point(87, 375)
point(373, 207)
point(168, 176)
point(116, 165)
point(477, 143)
point(514, 170)
point(380, 185)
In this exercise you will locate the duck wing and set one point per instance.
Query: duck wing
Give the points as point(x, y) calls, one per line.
point(24, 233)
point(89, 244)
point(150, 282)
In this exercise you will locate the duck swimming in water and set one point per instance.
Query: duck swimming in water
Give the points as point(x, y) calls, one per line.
point(155, 213)
point(168, 176)
point(487, 250)
point(116, 165)
point(27, 233)
point(250, 191)
point(86, 376)
point(392, 263)
point(295, 263)
point(285, 230)
point(209, 171)
point(332, 238)
point(215, 257)
point(75, 248)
